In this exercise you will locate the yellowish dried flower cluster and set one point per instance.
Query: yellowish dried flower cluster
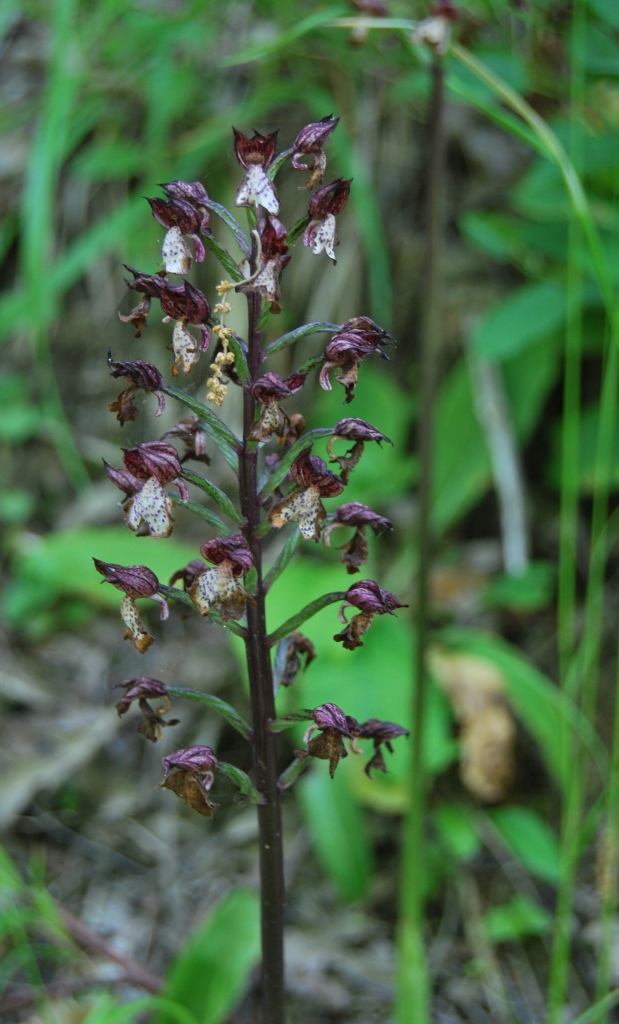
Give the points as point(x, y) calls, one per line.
point(224, 358)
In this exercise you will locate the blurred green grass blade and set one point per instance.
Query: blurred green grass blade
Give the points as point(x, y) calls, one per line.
point(530, 839)
point(338, 830)
point(262, 51)
point(524, 318)
point(213, 969)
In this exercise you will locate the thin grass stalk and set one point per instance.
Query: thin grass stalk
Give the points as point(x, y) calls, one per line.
point(608, 873)
point(413, 991)
point(273, 1009)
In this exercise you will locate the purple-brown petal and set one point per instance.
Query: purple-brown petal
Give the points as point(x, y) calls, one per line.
point(353, 429)
point(330, 716)
point(312, 138)
point(368, 596)
point(196, 760)
point(133, 580)
point(330, 199)
point(153, 458)
point(260, 149)
point(233, 548)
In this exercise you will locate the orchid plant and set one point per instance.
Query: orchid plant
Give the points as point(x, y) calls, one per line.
point(278, 486)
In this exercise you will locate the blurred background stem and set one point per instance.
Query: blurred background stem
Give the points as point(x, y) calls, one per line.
point(413, 981)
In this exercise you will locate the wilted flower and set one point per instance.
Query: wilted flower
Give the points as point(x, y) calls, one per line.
point(372, 600)
point(149, 467)
point(188, 573)
point(311, 140)
point(220, 586)
point(134, 581)
point(269, 390)
point(324, 207)
point(288, 657)
point(332, 725)
point(193, 775)
point(274, 257)
point(183, 213)
point(435, 31)
point(351, 429)
point(359, 516)
point(140, 375)
point(256, 155)
point(304, 506)
point(379, 732)
point(191, 432)
point(183, 303)
point(141, 689)
point(355, 339)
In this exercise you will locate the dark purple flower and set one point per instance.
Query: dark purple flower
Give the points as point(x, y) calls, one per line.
point(192, 776)
point(288, 658)
point(356, 339)
point(141, 689)
point(188, 573)
point(304, 506)
point(149, 468)
point(141, 375)
point(372, 600)
point(134, 581)
point(256, 155)
point(324, 207)
point(183, 213)
point(311, 140)
point(351, 429)
point(220, 587)
point(269, 390)
point(183, 303)
point(379, 732)
point(359, 516)
point(191, 432)
point(332, 725)
point(274, 257)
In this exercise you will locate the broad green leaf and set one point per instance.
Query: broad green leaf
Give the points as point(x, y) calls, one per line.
point(213, 969)
point(530, 839)
point(526, 317)
point(338, 829)
point(525, 592)
point(518, 919)
point(455, 831)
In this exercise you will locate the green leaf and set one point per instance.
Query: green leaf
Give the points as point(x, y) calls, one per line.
point(215, 965)
point(530, 839)
point(518, 919)
point(529, 591)
point(455, 831)
point(337, 829)
point(215, 493)
point(224, 257)
point(240, 237)
point(525, 318)
point(242, 780)
point(217, 704)
point(283, 559)
point(300, 332)
point(203, 513)
point(306, 613)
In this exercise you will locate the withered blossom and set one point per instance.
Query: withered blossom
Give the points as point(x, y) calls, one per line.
point(220, 587)
point(191, 432)
point(311, 141)
point(274, 256)
point(188, 573)
point(256, 155)
point(358, 431)
point(183, 213)
point(140, 690)
point(435, 31)
point(182, 303)
point(294, 652)
point(332, 725)
point(372, 600)
point(138, 316)
point(354, 514)
point(356, 339)
point(381, 733)
point(134, 581)
point(192, 777)
point(269, 390)
point(314, 481)
point(324, 207)
point(141, 375)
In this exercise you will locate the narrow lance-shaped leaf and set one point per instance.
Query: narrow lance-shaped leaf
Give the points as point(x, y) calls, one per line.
point(279, 475)
point(298, 228)
point(226, 710)
point(215, 493)
point(176, 594)
point(281, 724)
point(283, 559)
point(242, 780)
point(227, 261)
point(216, 430)
point(240, 360)
point(203, 513)
point(306, 613)
point(297, 334)
point(240, 237)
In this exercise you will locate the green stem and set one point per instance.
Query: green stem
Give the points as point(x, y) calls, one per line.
point(413, 994)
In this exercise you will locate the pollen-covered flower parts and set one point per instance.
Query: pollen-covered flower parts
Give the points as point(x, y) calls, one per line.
point(267, 455)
